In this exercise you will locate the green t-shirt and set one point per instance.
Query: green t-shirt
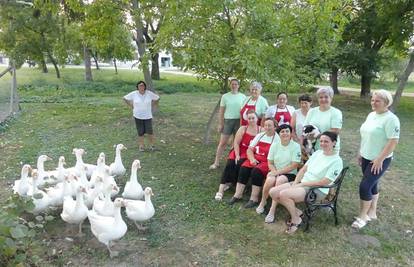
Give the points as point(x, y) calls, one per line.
point(283, 156)
point(321, 166)
point(232, 104)
point(325, 120)
point(260, 104)
point(376, 131)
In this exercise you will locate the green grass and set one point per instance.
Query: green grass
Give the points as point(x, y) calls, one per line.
point(189, 226)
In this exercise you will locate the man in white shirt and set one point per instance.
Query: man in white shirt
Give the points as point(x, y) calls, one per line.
point(141, 101)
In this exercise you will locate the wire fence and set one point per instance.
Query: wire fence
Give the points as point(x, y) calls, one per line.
point(9, 101)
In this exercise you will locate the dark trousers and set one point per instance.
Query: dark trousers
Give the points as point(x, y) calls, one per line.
point(231, 171)
point(369, 183)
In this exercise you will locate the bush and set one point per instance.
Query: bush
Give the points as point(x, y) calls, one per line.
point(17, 235)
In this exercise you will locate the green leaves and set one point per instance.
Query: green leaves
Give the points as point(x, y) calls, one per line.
point(19, 231)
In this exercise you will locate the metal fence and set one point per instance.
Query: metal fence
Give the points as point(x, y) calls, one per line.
point(9, 101)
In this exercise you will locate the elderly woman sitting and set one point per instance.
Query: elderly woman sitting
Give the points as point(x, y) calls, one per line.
point(321, 169)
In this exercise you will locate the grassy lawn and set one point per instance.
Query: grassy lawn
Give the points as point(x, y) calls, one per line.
point(190, 228)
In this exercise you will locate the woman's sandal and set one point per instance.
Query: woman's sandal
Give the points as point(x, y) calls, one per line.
point(293, 227)
point(219, 196)
point(289, 222)
point(213, 166)
point(270, 218)
point(359, 223)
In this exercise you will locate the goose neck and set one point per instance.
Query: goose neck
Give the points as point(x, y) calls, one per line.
point(134, 176)
point(117, 215)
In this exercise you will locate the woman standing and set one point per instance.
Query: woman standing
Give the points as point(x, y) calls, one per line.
point(283, 160)
point(256, 166)
point(321, 169)
point(229, 118)
point(325, 117)
point(379, 136)
point(299, 116)
point(281, 112)
point(141, 102)
point(238, 154)
point(256, 102)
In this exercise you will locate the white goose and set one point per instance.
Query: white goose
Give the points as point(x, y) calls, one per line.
point(93, 193)
point(133, 190)
point(140, 211)
point(40, 199)
point(22, 186)
point(75, 212)
point(60, 191)
point(103, 205)
point(110, 180)
point(100, 170)
point(79, 152)
point(60, 171)
point(117, 168)
point(106, 229)
point(42, 175)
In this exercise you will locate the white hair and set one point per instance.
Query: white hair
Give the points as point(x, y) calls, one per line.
point(384, 95)
point(326, 91)
point(256, 85)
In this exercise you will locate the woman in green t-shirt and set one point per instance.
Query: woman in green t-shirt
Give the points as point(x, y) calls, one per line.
point(325, 117)
point(321, 169)
point(283, 160)
point(379, 136)
point(229, 118)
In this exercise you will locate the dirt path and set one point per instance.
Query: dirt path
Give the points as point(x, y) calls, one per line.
point(357, 90)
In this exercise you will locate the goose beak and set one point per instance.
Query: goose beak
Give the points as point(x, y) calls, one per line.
point(124, 147)
point(48, 158)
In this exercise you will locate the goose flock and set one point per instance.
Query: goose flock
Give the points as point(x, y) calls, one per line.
point(86, 191)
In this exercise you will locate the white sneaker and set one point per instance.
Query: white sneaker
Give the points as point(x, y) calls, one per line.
point(219, 196)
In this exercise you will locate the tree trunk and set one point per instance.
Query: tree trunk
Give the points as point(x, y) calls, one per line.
point(403, 81)
point(210, 123)
point(43, 64)
point(333, 79)
point(95, 59)
point(141, 44)
point(54, 64)
point(365, 85)
point(87, 59)
point(116, 68)
point(155, 67)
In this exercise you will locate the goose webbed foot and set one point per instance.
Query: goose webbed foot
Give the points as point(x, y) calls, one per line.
point(140, 227)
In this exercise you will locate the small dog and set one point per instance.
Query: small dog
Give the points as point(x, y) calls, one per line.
point(310, 134)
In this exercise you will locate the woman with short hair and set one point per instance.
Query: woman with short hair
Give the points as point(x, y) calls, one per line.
point(322, 169)
point(299, 116)
point(229, 118)
point(283, 159)
point(281, 112)
point(255, 102)
point(379, 136)
point(140, 101)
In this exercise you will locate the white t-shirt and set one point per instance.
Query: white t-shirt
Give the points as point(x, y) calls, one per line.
point(142, 103)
